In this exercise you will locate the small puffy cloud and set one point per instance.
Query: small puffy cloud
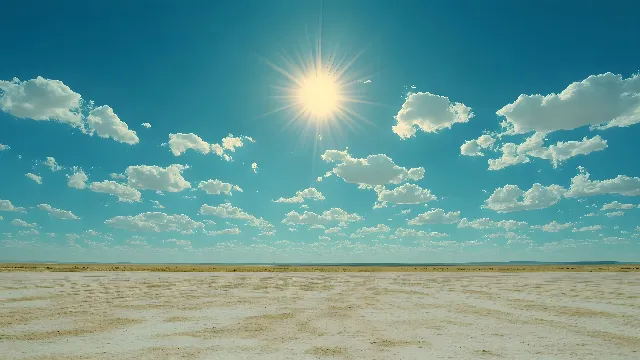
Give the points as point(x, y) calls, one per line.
point(616, 205)
point(179, 143)
point(333, 230)
point(230, 231)
point(533, 146)
point(380, 228)
point(147, 125)
point(6, 205)
point(58, 213)
point(146, 177)
point(51, 163)
point(486, 223)
point(186, 243)
point(510, 198)
point(405, 194)
point(4, 147)
point(615, 214)
point(116, 176)
point(333, 215)
point(22, 223)
point(371, 171)
point(436, 216)
point(228, 211)
point(217, 187)
point(301, 195)
point(475, 147)
point(124, 192)
point(41, 99)
point(553, 226)
point(581, 185)
point(605, 100)
point(588, 228)
point(254, 167)
point(104, 122)
point(78, 179)
point(412, 233)
point(156, 204)
point(429, 113)
point(34, 177)
point(156, 222)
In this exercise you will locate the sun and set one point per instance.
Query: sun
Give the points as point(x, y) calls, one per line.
point(319, 95)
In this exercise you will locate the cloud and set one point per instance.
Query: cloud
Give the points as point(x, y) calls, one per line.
point(51, 163)
point(4, 147)
point(474, 147)
point(34, 177)
point(588, 228)
point(429, 113)
point(116, 176)
point(146, 177)
point(41, 99)
point(533, 146)
point(616, 205)
point(486, 223)
point(301, 195)
point(228, 211)
point(510, 198)
point(147, 125)
point(254, 167)
point(230, 231)
point(104, 122)
point(178, 242)
point(436, 216)
point(22, 223)
point(57, 213)
point(78, 179)
point(217, 187)
point(553, 226)
point(124, 192)
point(180, 143)
point(372, 170)
point(6, 205)
point(156, 204)
point(605, 100)
point(380, 228)
point(405, 194)
point(334, 215)
point(402, 233)
point(615, 214)
point(156, 222)
point(620, 185)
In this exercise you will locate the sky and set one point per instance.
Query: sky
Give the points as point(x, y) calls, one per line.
point(334, 131)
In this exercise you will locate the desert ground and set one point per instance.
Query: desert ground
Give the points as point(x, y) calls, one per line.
point(581, 314)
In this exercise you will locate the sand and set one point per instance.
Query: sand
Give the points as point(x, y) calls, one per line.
point(312, 315)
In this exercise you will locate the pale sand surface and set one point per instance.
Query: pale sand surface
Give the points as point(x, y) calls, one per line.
point(378, 315)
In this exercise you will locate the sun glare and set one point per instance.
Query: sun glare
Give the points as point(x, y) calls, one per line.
point(319, 95)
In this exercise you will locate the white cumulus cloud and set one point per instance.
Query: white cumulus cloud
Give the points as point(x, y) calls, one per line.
point(301, 195)
point(34, 177)
point(436, 216)
point(605, 100)
point(179, 143)
point(553, 226)
point(58, 213)
point(228, 211)
point(333, 215)
point(615, 214)
point(104, 122)
point(372, 170)
point(588, 228)
point(147, 125)
point(510, 198)
point(22, 223)
point(404, 194)
point(4, 147)
point(78, 179)
point(6, 205)
point(124, 192)
point(156, 222)
point(616, 205)
point(486, 223)
point(581, 185)
point(217, 187)
point(51, 163)
point(475, 147)
point(157, 178)
point(429, 113)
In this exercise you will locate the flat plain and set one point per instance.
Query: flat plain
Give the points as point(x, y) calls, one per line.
point(52, 314)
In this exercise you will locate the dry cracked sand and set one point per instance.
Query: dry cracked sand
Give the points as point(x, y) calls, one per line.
point(484, 315)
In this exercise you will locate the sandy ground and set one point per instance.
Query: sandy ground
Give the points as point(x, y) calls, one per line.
point(4, 267)
point(419, 315)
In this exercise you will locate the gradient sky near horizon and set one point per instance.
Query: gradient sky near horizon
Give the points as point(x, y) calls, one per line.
point(450, 131)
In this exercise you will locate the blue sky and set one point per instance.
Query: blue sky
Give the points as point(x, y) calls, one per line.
point(448, 132)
